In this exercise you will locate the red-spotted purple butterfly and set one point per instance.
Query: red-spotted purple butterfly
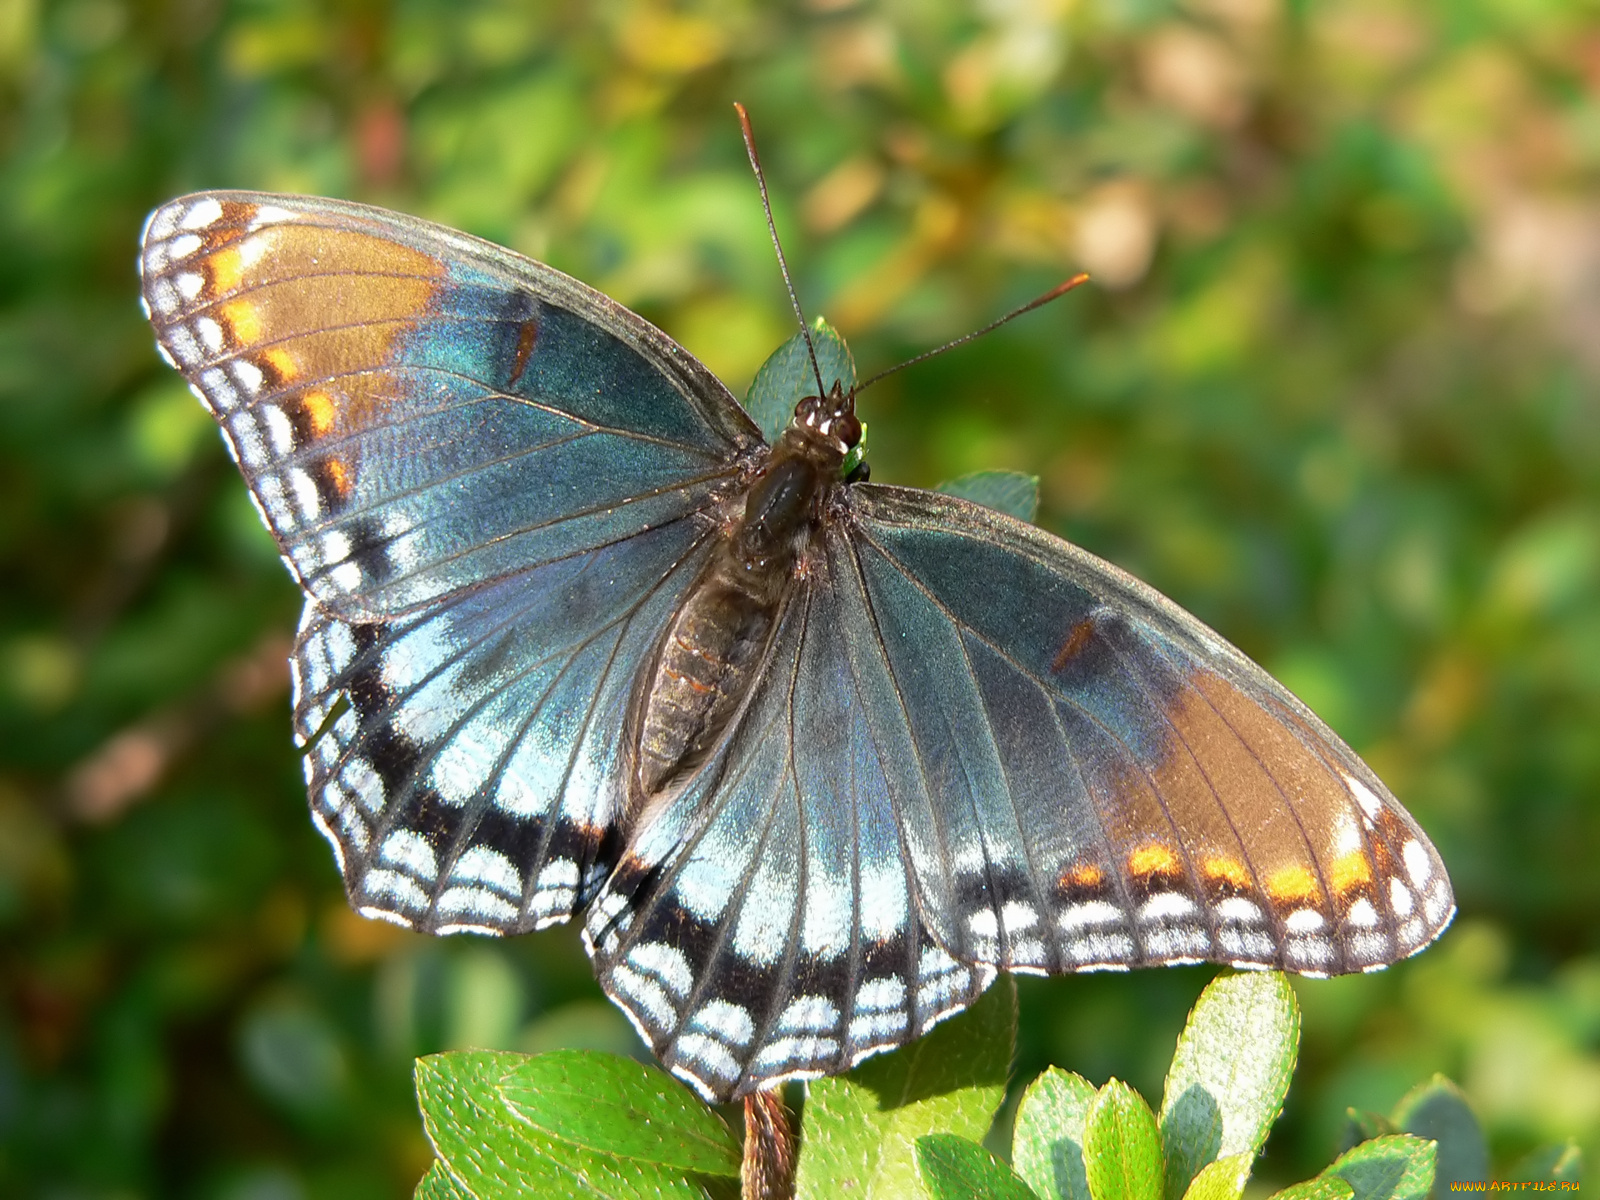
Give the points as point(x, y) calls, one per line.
point(814, 757)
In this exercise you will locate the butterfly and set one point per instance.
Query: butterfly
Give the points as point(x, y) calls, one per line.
point(812, 757)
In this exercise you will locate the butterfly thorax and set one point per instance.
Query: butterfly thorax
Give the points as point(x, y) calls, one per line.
point(716, 643)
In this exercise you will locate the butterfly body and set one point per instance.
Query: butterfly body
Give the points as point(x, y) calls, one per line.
point(813, 758)
point(716, 644)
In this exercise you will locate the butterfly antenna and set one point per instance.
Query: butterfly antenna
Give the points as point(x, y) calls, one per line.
point(772, 228)
point(1061, 289)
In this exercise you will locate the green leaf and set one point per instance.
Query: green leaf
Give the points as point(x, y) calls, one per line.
point(438, 1184)
point(1221, 1180)
point(1437, 1110)
point(481, 1137)
point(619, 1106)
point(861, 1128)
point(854, 455)
point(1324, 1187)
point(1396, 1167)
point(1558, 1163)
point(1121, 1146)
point(166, 427)
point(1047, 1136)
point(954, 1168)
point(1362, 1126)
point(786, 377)
point(1010, 492)
point(1229, 1073)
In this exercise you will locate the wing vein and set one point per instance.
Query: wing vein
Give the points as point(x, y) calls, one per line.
point(913, 890)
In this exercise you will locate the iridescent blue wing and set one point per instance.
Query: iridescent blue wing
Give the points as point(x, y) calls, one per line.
point(766, 924)
point(980, 748)
point(1109, 783)
point(467, 760)
point(415, 410)
point(493, 484)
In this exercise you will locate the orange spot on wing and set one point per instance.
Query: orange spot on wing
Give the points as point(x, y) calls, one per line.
point(1073, 646)
point(527, 335)
point(227, 269)
point(339, 476)
point(1392, 828)
point(319, 411)
point(283, 363)
point(1293, 885)
point(1224, 870)
point(1349, 872)
point(1154, 859)
point(1084, 875)
point(243, 320)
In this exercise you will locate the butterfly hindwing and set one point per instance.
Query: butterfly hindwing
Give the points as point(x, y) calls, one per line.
point(766, 924)
point(1107, 782)
point(467, 761)
point(415, 410)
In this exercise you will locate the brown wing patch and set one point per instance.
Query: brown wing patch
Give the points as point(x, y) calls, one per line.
point(290, 330)
point(527, 337)
point(1080, 637)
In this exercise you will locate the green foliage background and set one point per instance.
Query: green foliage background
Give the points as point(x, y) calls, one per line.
point(1336, 391)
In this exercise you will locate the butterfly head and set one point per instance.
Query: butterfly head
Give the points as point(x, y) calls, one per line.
point(828, 424)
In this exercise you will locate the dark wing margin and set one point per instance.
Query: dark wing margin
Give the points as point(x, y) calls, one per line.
point(416, 410)
point(466, 761)
point(1111, 783)
point(765, 926)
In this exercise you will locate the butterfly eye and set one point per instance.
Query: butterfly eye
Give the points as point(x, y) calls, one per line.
point(847, 429)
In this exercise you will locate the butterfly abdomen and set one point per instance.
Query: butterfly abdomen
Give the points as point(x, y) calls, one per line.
point(713, 650)
point(706, 662)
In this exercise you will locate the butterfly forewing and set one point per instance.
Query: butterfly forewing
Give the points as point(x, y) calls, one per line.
point(1112, 784)
point(491, 481)
point(416, 411)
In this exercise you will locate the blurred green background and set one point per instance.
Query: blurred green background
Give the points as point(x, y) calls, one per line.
point(1336, 390)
